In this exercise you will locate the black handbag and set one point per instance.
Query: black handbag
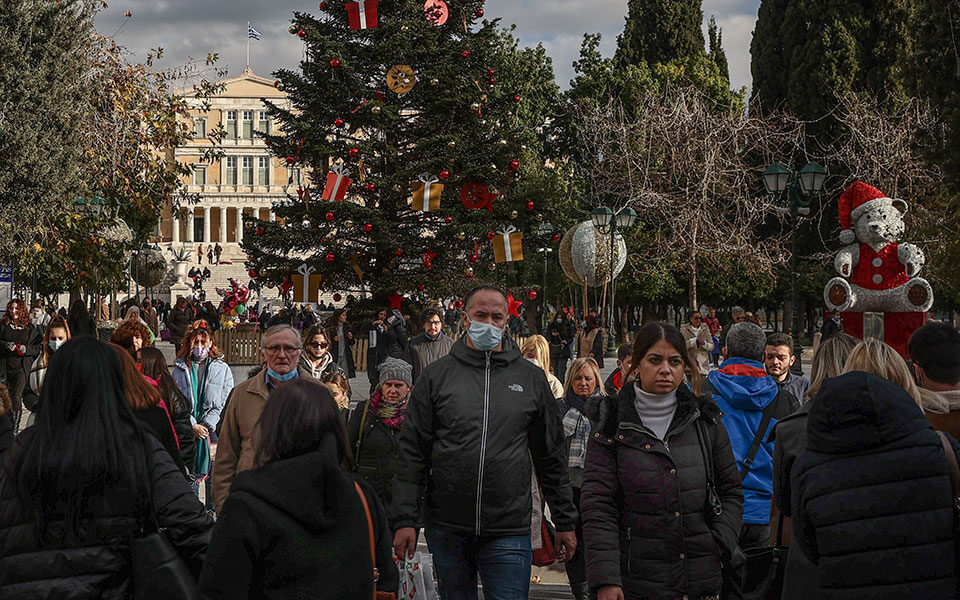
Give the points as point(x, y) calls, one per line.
point(159, 573)
point(764, 569)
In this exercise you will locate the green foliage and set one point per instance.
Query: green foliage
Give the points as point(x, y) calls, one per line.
point(472, 116)
point(715, 48)
point(659, 31)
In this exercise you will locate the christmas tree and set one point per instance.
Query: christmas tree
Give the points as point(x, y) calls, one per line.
point(422, 127)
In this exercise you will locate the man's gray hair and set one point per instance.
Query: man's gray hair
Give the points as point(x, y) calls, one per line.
point(737, 310)
point(277, 329)
point(746, 340)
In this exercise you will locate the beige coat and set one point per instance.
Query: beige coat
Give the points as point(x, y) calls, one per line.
point(699, 354)
point(237, 445)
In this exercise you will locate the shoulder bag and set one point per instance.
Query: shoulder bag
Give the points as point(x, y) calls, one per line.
point(954, 469)
point(377, 594)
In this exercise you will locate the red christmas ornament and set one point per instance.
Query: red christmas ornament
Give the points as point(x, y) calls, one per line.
point(514, 165)
point(302, 33)
point(444, 174)
point(396, 300)
point(465, 54)
point(330, 216)
point(490, 72)
point(479, 13)
point(252, 274)
point(513, 305)
point(491, 235)
point(354, 152)
point(290, 160)
point(259, 230)
point(474, 258)
point(420, 288)
point(277, 83)
point(323, 240)
point(368, 227)
point(323, 6)
point(530, 205)
point(556, 237)
point(516, 98)
point(398, 252)
point(266, 141)
point(448, 219)
point(532, 294)
point(335, 63)
point(330, 258)
point(475, 194)
point(370, 187)
point(338, 122)
point(337, 297)
point(492, 81)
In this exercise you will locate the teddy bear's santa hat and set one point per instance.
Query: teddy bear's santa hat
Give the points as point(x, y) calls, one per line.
point(857, 199)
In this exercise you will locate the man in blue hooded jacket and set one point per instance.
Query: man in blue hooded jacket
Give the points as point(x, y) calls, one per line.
point(752, 404)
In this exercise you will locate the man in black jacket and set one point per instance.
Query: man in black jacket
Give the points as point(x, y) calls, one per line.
point(430, 345)
point(476, 418)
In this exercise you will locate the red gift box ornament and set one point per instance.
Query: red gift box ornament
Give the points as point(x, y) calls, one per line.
point(337, 183)
point(362, 14)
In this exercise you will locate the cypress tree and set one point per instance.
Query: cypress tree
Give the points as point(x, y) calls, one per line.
point(717, 54)
point(659, 31)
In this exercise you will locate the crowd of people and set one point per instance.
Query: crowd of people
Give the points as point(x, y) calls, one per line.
point(660, 481)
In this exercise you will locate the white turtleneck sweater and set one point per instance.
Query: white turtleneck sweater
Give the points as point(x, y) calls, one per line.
point(655, 410)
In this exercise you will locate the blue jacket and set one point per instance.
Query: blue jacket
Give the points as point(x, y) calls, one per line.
point(742, 389)
point(216, 389)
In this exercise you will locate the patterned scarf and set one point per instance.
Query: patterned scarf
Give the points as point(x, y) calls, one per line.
point(390, 413)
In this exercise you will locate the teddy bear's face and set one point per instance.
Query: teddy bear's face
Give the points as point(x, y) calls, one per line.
point(881, 224)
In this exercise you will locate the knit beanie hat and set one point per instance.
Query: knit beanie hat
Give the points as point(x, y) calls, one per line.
point(397, 370)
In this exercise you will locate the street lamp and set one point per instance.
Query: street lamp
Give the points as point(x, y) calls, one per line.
point(543, 230)
point(795, 191)
point(607, 221)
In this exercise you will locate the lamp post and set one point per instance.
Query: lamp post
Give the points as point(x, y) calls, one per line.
point(606, 221)
point(795, 192)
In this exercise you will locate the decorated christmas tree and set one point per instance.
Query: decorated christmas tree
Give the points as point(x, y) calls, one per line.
point(421, 126)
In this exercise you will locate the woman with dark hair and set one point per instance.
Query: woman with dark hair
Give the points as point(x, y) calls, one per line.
point(177, 322)
point(148, 406)
point(316, 359)
point(661, 501)
point(80, 321)
point(210, 315)
point(20, 343)
point(153, 366)
point(58, 332)
point(341, 342)
point(78, 486)
point(560, 336)
point(591, 344)
point(296, 526)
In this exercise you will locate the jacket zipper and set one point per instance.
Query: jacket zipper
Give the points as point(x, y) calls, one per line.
point(483, 439)
point(629, 549)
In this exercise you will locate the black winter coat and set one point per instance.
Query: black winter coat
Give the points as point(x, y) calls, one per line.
point(644, 501)
point(375, 456)
point(177, 323)
point(872, 501)
point(350, 372)
point(156, 421)
point(296, 529)
point(97, 566)
point(557, 334)
point(31, 338)
point(474, 421)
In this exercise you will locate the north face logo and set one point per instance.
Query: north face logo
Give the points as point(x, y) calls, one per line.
point(516, 387)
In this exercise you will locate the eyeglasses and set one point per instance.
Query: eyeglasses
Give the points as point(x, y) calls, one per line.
point(316, 345)
point(285, 349)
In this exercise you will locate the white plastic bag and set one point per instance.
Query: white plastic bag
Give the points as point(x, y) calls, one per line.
point(416, 578)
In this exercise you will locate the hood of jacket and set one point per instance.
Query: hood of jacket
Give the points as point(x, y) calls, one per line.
point(478, 358)
point(744, 384)
point(859, 411)
point(321, 484)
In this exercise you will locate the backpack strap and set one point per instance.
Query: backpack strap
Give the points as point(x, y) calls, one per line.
point(759, 437)
point(356, 448)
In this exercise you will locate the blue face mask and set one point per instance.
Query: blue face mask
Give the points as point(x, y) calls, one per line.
point(55, 344)
point(281, 378)
point(484, 336)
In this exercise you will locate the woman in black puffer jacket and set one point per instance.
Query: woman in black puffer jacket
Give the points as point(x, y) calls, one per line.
point(649, 527)
point(86, 504)
point(872, 502)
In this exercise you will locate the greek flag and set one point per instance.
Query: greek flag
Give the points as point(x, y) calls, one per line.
point(253, 33)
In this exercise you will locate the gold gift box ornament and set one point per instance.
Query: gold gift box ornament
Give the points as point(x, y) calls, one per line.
point(426, 193)
point(508, 245)
point(306, 285)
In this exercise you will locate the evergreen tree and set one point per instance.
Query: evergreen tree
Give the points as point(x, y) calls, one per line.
point(767, 64)
point(659, 31)
point(467, 114)
point(716, 52)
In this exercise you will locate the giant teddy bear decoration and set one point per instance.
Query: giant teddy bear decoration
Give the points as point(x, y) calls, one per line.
point(877, 272)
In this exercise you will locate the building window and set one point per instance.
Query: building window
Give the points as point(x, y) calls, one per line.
point(263, 122)
point(248, 124)
point(231, 124)
point(247, 171)
point(263, 170)
point(295, 176)
point(200, 128)
point(231, 170)
point(199, 176)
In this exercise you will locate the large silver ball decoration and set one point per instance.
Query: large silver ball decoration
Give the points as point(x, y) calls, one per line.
point(148, 267)
point(585, 254)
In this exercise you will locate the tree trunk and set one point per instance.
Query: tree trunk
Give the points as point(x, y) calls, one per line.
point(787, 316)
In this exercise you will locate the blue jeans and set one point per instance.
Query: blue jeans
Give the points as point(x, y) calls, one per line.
point(503, 564)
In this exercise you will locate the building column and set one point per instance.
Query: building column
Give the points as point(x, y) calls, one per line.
point(190, 224)
point(239, 210)
point(223, 224)
point(206, 224)
point(175, 232)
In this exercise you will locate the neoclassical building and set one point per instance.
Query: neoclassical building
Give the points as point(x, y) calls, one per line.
point(246, 180)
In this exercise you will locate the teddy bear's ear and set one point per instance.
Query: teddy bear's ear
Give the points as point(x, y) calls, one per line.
point(903, 206)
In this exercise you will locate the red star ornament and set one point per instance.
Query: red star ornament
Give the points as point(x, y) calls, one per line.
point(395, 301)
point(427, 258)
point(513, 305)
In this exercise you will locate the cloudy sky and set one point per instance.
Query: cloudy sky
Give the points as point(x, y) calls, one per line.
point(195, 27)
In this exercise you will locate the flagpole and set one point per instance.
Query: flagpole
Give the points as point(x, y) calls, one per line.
point(248, 45)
